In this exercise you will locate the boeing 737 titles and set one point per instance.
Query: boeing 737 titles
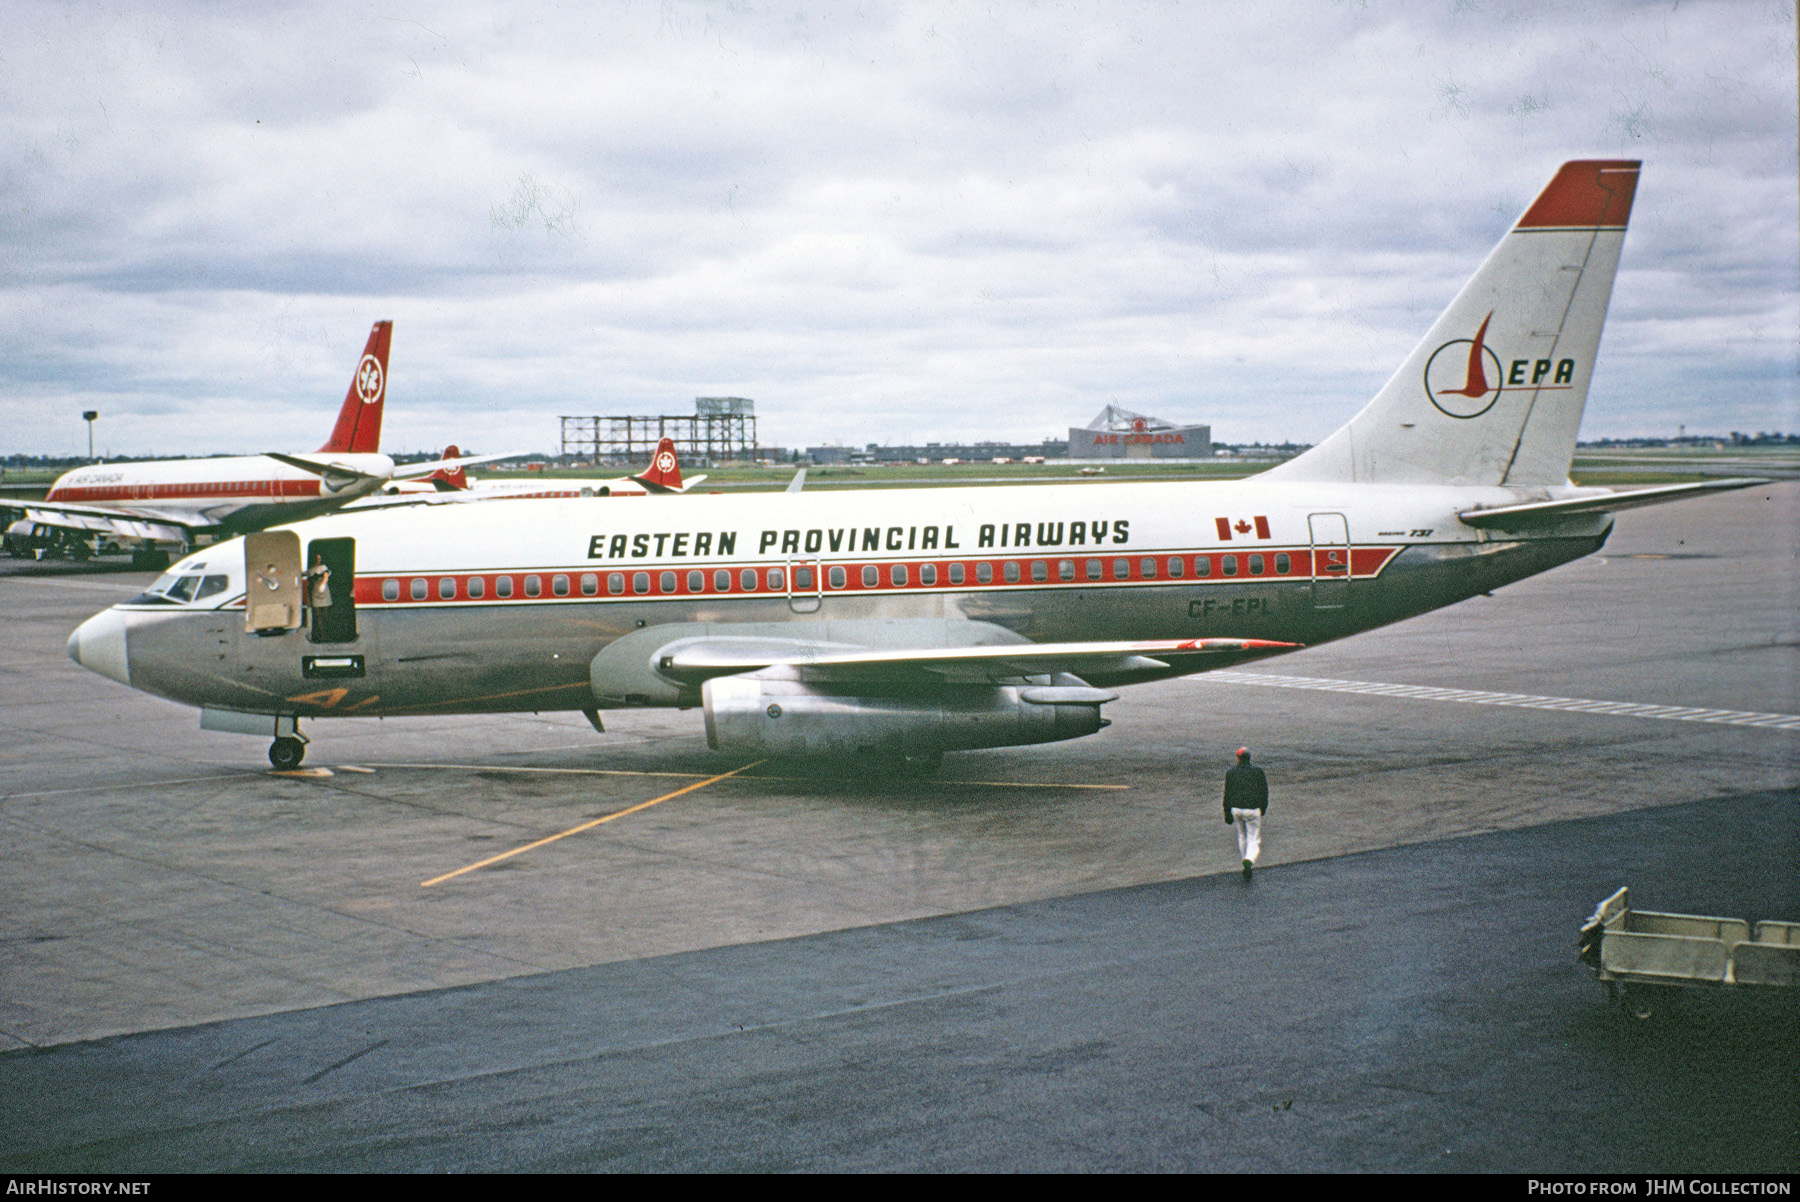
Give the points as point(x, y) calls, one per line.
point(178, 502)
point(907, 623)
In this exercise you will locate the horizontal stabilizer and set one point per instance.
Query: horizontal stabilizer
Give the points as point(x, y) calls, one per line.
point(449, 465)
point(1532, 512)
point(335, 474)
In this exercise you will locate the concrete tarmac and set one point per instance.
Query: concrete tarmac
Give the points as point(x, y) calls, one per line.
point(153, 876)
point(1404, 1010)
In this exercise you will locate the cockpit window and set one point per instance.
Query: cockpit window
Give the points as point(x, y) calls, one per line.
point(182, 586)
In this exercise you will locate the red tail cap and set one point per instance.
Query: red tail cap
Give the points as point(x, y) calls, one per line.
point(1586, 194)
point(358, 429)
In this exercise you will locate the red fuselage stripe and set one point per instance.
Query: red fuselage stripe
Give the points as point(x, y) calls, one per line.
point(594, 582)
point(212, 490)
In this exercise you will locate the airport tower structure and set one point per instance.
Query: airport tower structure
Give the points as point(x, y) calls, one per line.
point(720, 428)
point(1119, 433)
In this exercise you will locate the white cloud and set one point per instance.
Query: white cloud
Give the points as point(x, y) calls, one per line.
point(901, 222)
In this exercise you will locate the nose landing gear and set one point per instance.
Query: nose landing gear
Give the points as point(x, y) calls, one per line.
point(286, 753)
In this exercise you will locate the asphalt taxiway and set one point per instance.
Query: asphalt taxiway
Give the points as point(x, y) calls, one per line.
point(214, 941)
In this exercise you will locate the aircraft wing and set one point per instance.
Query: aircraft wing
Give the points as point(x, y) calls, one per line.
point(693, 661)
point(1534, 512)
point(141, 524)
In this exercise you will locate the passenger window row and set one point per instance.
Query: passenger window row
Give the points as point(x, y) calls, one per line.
point(837, 576)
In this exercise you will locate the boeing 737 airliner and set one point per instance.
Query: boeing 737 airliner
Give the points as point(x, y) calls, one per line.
point(905, 623)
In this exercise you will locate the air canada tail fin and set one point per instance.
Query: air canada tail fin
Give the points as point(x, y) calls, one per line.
point(664, 472)
point(452, 479)
point(1494, 393)
point(358, 429)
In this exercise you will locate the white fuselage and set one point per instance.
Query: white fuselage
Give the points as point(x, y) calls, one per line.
point(480, 608)
point(216, 491)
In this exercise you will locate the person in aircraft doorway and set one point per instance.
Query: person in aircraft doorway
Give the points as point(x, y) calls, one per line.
point(318, 594)
point(1246, 801)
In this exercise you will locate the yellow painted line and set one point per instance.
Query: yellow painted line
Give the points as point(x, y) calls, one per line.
point(88, 584)
point(562, 771)
point(589, 825)
point(990, 784)
point(1027, 784)
point(245, 774)
point(926, 780)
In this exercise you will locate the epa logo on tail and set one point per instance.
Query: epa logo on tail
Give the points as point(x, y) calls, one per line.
point(1466, 383)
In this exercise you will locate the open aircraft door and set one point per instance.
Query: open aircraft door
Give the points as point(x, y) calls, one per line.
point(274, 593)
point(331, 577)
point(806, 585)
point(1330, 560)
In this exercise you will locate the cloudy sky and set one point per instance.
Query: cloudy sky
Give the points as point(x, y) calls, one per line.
point(885, 222)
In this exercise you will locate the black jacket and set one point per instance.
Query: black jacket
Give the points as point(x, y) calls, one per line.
point(1246, 788)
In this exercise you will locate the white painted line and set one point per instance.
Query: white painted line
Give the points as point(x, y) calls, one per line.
point(1623, 709)
point(111, 588)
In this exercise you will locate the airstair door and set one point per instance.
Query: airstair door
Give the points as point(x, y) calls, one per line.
point(273, 588)
point(1330, 560)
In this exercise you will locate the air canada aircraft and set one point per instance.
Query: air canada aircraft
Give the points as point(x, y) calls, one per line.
point(453, 485)
point(153, 505)
point(901, 624)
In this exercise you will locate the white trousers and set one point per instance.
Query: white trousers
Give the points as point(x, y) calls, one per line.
point(1249, 828)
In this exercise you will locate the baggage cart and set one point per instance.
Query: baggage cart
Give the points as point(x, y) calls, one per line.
point(1642, 955)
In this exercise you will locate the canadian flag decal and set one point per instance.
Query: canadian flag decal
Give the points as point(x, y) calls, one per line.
point(1226, 526)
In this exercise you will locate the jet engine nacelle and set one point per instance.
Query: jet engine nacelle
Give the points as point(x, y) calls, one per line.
point(757, 715)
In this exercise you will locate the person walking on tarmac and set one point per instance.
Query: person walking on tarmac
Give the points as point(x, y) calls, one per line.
point(1246, 801)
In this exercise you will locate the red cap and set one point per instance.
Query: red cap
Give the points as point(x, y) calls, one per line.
point(1585, 194)
point(1242, 752)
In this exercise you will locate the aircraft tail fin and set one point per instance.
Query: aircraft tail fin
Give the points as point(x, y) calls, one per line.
point(358, 429)
point(1494, 392)
point(664, 472)
point(450, 479)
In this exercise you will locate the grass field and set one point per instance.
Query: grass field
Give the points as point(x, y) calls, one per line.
point(1615, 467)
point(1611, 467)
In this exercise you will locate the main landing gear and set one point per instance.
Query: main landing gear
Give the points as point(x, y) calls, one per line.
point(286, 753)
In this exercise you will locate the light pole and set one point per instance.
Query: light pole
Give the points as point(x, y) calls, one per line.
point(88, 416)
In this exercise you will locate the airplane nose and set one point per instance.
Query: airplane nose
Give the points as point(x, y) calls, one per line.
point(98, 645)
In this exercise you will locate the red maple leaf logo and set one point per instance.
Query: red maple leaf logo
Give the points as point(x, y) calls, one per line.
point(1242, 526)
